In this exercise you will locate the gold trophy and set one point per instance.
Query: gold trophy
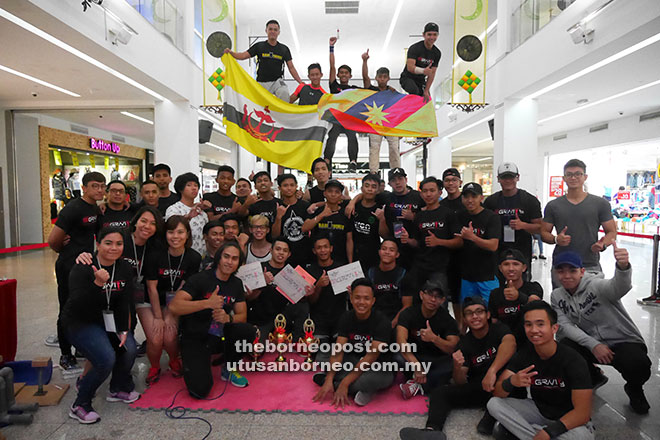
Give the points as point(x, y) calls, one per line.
point(256, 353)
point(309, 339)
point(280, 336)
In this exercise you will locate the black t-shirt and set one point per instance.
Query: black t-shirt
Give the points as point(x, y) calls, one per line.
point(166, 202)
point(456, 205)
point(395, 204)
point(479, 354)
point(299, 242)
point(366, 241)
point(441, 323)
point(200, 286)
point(171, 272)
point(509, 311)
point(87, 301)
point(527, 207)
point(478, 264)
point(80, 221)
point(336, 86)
point(335, 226)
point(557, 377)
point(423, 58)
point(361, 333)
point(308, 94)
point(269, 303)
point(270, 60)
point(120, 219)
point(219, 204)
point(387, 290)
point(442, 223)
point(267, 208)
point(328, 308)
point(316, 194)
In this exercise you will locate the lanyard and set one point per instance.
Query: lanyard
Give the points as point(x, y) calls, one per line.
point(140, 264)
point(176, 274)
point(108, 289)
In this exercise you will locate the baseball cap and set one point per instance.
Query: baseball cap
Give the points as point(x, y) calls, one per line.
point(473, 188)
point(474, 301)
point(512, 254)
point(430, 286)
point(396, 172)
point(431, 27)
point(334, 182)
point(450, 172)
point(570, 258)
point(507, 168)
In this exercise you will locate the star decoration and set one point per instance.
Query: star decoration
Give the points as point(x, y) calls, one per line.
point(375, 115)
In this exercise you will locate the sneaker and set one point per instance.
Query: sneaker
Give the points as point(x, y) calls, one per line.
point(534, 257)
point(234, 378)
point(600, 380)
point(123, 396)
point(649, 300)
point(319, 379)
point(501, 433)
point(177, 367)
point(486, 424)
point(85, 415)
point(421, 434)
point(152, 376)
point(637, 398)
point(142, 349)
point(361, 398)
point(52, 341)
point(352, 167)
point(410, 389)
point(542, 257)
point(68, 362)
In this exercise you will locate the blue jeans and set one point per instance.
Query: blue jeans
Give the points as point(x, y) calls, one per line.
point(94, 342)
point(478, 288)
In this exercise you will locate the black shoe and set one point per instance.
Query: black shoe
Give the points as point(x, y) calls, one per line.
point(421, 434)
point(534, 257)
point(542, 257)
point(501, 433)
point(352, 167)
point(319, 379)
point(486, 424)
point(599, 380)
point(142, 349)
point(637, 398)
point(68, 362)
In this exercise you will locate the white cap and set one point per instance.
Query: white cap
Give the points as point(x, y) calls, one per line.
point(507, 168)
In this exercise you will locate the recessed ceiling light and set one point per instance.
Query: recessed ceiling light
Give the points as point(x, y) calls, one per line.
point(139, 118)
point(471, 144)
point(218, 147)
point(38, 81)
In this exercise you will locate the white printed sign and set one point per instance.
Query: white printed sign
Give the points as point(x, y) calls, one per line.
point(291, 284)
point(252, 276)
point(342, 277)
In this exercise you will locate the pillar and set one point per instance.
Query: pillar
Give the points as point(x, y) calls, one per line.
point(176, 136)
point(439, 156)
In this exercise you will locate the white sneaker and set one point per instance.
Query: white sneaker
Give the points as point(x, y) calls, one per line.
point(52, 341)
point(361, 398)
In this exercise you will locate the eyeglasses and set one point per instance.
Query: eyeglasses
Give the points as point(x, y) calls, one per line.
point(571, 175)
point(259, 227)
point(96, 186)
point(479, 312)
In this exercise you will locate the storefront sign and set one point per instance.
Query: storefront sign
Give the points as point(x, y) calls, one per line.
point(103, 146)
point(556, 186)
point(623, 195)
point(57, 157)
point(106, 162)
point(74, 159)
point(92, 161)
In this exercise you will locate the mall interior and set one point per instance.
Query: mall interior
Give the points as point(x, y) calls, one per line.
point(116, 86)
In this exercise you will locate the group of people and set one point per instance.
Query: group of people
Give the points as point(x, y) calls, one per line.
point(170, 262)
point(416, 79)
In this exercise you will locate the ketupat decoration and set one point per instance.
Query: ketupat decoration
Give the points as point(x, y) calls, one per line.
point(218, 80)
point(469, 81)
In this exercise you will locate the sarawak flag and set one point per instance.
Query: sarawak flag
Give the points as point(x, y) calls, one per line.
point(287, 134)
point(385, 113)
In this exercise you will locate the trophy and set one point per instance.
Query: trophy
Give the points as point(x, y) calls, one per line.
point(309, 339)
point(280, 336)
point(256, 353)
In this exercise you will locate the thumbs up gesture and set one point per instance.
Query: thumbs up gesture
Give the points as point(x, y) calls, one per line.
point(101, 276)
point(563, 239)
point(510, 291)
point(426, 334)
point(516, 224)
point(431, 240)
point(621, 256)
point(215, 301)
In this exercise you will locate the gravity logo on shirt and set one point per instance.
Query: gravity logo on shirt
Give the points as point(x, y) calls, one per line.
point(168, 272)
point(424, 61)
point(487, 355)
point(89, 220)
point(399, 207)
point(387, 286)
point(509, 212)
point(292, 228)
point(508, 310)
point(116, 286)
point(220, 209)
point(120, 224)
point(229, 300)
point(431, 225)
point(549, 382)
point(360, 338)
point(478, 231)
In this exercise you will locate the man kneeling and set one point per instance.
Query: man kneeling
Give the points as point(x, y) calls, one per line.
point(362, 333)
point(558, 379)
point(212, 311)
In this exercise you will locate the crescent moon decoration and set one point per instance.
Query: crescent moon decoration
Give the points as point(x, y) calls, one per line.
point(157, 17)
point(223, 13)
point(476, 13)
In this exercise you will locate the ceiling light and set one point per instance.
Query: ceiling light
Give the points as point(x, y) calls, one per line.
point(467, 127)
point(292, 26)
point(395, 17)
point(471, 144)
point(218, 147)
point(139, 118)
point(609, 98)
point(38, 81)
point(83, 56)
point(482, 159)
point(617, 56)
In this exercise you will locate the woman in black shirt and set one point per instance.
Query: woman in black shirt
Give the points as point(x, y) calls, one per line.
point(96, 316)
point(167, 271)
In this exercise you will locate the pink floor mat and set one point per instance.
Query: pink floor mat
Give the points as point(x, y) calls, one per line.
point(273, 392)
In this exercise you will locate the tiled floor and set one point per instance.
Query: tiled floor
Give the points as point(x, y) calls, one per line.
point(37, 311)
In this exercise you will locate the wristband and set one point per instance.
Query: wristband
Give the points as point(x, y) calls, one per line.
point(507, 385)
point(555, 428)
point(332, 49)
point(419, 70)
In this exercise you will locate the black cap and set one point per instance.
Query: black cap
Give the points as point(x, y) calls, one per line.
point(473, 188)
point(512, 254)
point(396, 172)
point(451, 172)
point(334, 182)
point(431, 27)
point(474, 301)
point(436, 287)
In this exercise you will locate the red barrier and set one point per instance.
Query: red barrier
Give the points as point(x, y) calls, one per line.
point(23, 248)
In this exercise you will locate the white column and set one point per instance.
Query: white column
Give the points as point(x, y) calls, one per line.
point(503, 31)
point(439, 158)
point(409, 164)
point(516, 140)
point(176, 136)
point(188, 28)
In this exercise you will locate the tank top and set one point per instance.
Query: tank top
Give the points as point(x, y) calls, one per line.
point(251, 258)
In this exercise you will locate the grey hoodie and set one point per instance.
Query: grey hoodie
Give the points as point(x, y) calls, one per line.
point(594, 314)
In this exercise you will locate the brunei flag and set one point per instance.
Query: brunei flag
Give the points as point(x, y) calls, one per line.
point(386, 113)
point(287, 134)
